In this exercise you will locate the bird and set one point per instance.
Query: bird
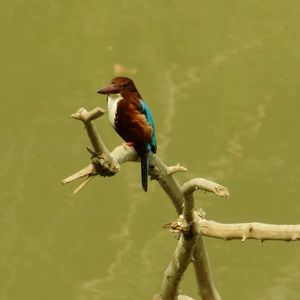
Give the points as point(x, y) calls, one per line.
point(130, 116)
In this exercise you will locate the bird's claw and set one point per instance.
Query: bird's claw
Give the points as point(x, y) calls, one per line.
point(129, 144)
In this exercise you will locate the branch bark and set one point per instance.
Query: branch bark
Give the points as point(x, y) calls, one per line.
point(87, 117)
point(191, 224)
point(159, 171)
point(183, 254)
point(207, 289)
point(189, 239)
point(103, 162)
point(245, 231)
point(206, 285)
point(177, 266)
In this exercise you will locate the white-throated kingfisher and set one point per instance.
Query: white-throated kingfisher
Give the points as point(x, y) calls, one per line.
point(131, 118)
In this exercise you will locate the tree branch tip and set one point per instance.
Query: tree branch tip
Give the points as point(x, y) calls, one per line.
point(83, 184)
point(174, 169)
point(223, 191)
point(87, 171)
point(77, 115)
point(205, 185)
point(86, 116)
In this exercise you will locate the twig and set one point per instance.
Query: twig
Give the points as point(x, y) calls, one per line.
point(102, 161)
point(169, 184)
point(83, 184)
point(88, 170)
point(87, 117)
point(120, 154)
point(205, 185)
point(174, 169)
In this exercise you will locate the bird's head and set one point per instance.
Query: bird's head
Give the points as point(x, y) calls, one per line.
point(119, 85)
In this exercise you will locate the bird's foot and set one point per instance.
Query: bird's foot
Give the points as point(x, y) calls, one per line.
point(129, 144)
point(102, 164)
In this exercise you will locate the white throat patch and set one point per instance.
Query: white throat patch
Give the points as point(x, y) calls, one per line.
point(112, 103)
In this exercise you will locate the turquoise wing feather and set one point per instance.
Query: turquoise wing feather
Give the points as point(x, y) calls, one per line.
point(146, 111)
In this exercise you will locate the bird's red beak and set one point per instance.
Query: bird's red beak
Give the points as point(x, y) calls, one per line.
point(111, 89)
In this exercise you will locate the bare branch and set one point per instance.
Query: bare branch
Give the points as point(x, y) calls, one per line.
point(83, 184)
point(177, 266)
point(102, 162)
point(124, 153)
point(244, 231)
point(87, 117)
point(87, 171)
point(207, 289)
point(168, 183)
point(163, 175)
point(206, 185)
point(191, 224)
point(183, 253)
point(120, 154)
point(191, 246)
point(174, 169)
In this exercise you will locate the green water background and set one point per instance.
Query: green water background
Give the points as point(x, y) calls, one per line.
point(222, 81)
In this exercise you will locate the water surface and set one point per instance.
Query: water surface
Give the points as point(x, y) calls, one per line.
point(222, 80)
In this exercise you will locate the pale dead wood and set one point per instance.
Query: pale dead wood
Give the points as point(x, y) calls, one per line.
point(253, 230)
point(174, 169)
point(192, 225)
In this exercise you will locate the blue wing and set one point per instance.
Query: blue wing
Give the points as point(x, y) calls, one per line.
point(146, 111)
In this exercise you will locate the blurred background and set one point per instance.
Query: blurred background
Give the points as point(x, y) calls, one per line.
point(222, 81)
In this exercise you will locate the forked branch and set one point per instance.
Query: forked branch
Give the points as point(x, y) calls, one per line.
point(191, 224)
point(189, 239)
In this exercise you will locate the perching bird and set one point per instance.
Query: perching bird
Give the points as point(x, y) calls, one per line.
point(132, 119)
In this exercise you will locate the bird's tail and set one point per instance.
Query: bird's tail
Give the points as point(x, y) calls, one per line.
point(145, 169)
